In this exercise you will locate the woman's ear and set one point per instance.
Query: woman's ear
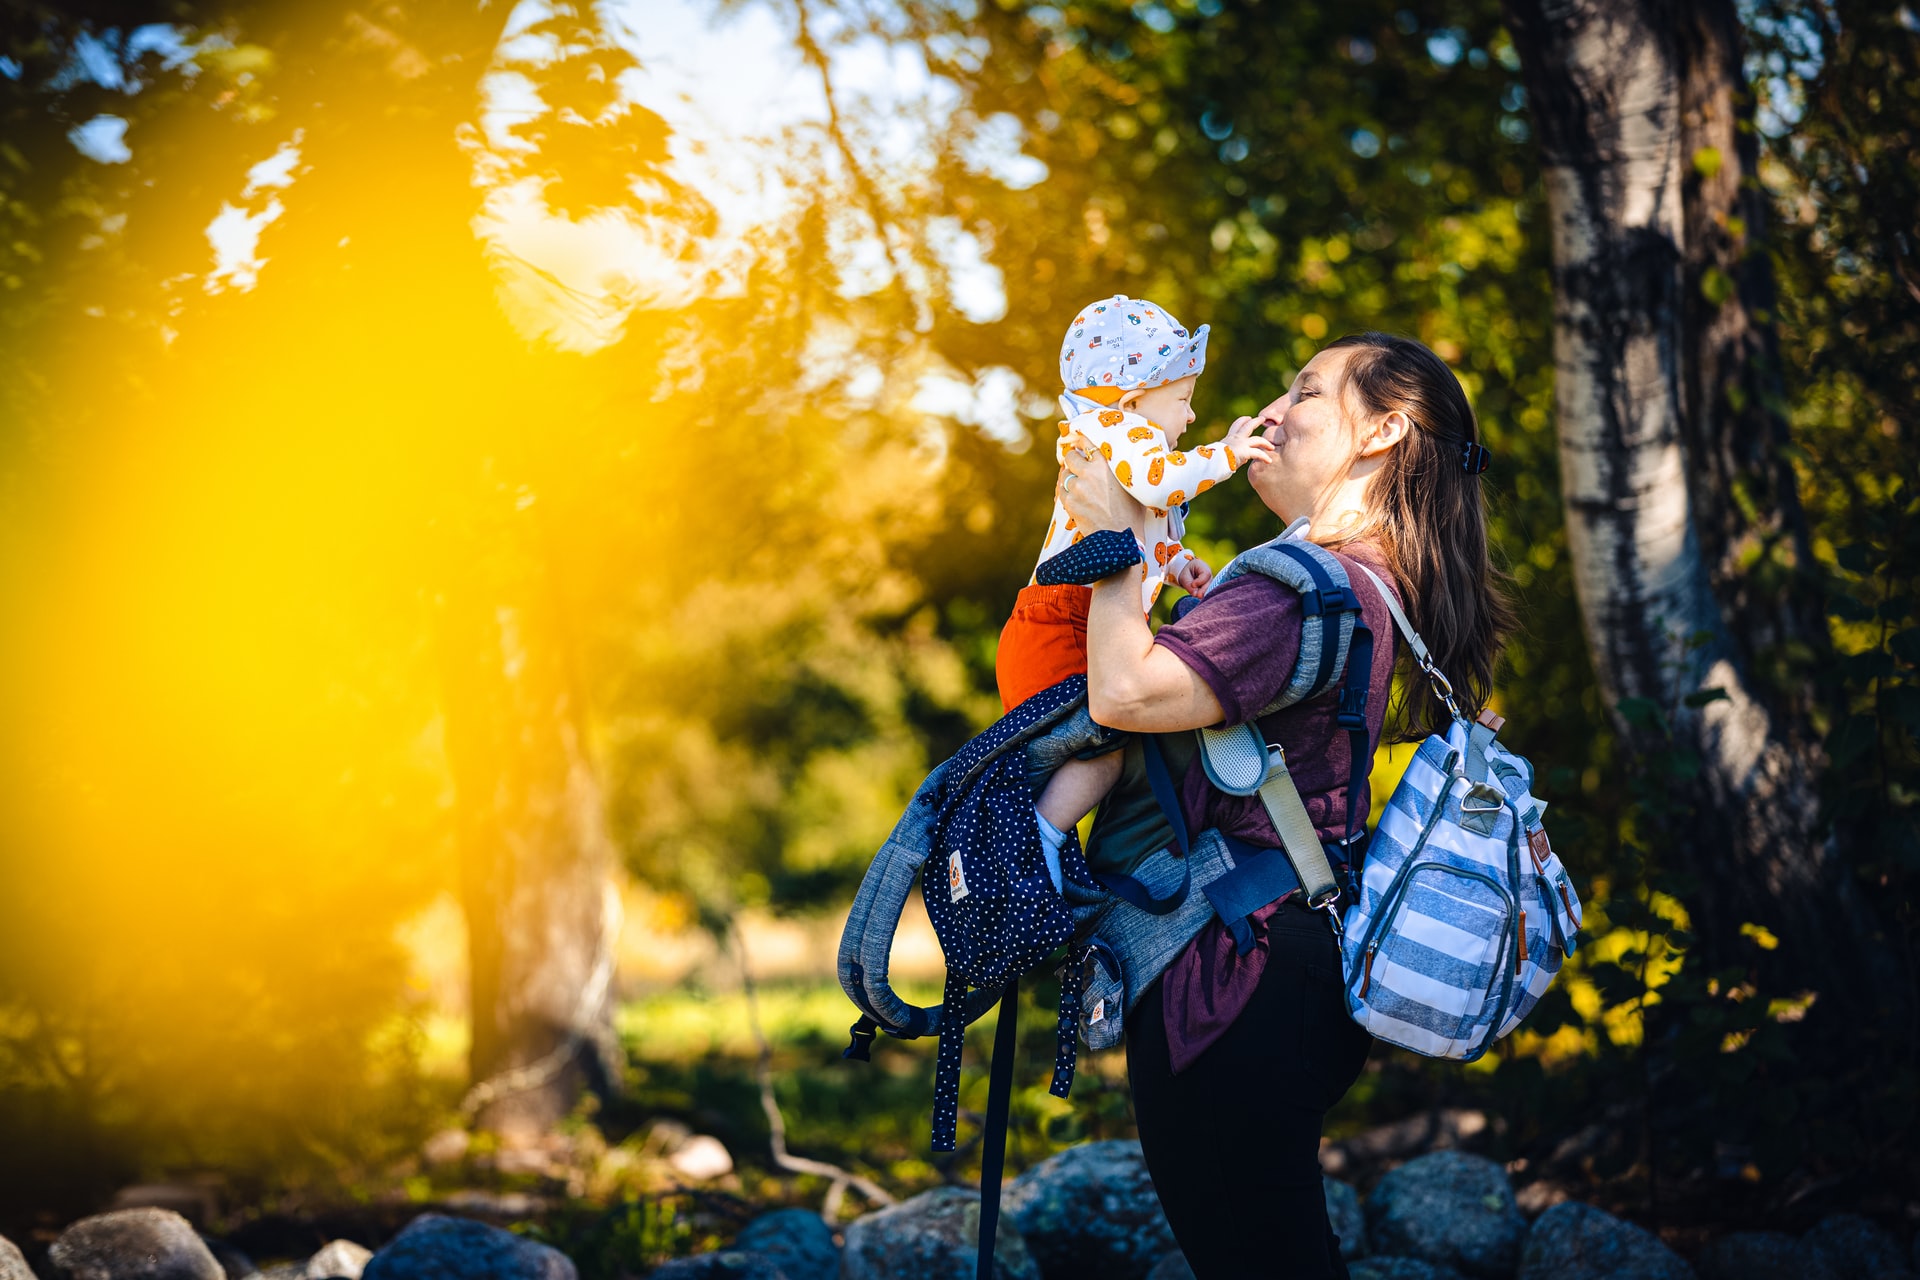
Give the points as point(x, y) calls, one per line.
point(1386, 433)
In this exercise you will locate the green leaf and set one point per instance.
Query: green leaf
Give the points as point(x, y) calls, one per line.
point(1643, 713)
point(1903, 705)
point(1863, 668)
point(1704, 696)
point(1716, 286)
point(1707, 162)
point(1848, 609)
point(1850, 741)
point(1856, 557)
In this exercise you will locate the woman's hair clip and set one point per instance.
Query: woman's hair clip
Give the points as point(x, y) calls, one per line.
point(1475, 458)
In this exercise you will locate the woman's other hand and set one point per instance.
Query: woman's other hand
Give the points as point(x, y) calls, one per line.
point(1090, 493)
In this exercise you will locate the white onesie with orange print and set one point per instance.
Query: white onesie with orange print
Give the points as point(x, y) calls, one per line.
point(1159, 478)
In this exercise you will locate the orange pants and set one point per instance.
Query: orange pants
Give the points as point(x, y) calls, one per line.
point(1043, 643)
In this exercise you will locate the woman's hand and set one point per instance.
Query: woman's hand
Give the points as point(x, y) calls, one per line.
point(1089, 492)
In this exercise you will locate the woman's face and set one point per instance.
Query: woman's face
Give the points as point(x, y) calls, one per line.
point(1313, 439)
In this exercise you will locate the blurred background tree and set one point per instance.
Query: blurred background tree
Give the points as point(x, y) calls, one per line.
point(401, 561)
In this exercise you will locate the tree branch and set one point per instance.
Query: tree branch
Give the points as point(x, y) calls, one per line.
point(777, 1124)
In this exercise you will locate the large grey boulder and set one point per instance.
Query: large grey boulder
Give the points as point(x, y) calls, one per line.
point(934, 1236)
point(434, 1247)
point(1343, 1211)
point(797, 1241)
point(1855, 1247)
point(1762, 1255)
point(1400, 1269)
point(132, 1244)
point(725, 1264)
point(1448, 1208)
point(13, 1264)
point(1573, 1241)
point(1090, 1213)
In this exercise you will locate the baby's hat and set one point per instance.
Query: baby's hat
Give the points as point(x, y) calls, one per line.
point(1125, 344)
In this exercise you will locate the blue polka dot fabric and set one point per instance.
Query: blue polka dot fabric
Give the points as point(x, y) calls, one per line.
point(1096, 556)
point(987, 890)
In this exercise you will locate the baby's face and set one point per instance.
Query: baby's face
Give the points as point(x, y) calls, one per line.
point(1168, 407)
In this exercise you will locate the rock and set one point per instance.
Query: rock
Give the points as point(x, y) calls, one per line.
point(132, 1244)
point(13, 1265)
point(434, 1247)
point(797, 1241)
point(1090, 1212)
point(1400, 1269)
point(1172, 1267)
point(1343, 1211)
point(1573, 1241)
point(285, 1271)
point(934, 1236)
point(1855, 1247)
point(1762, 1255)
point(1448, 1208)
point(1415, 1135)
point(338, 1260)
point(727, 1264)
point(701, 1158)
point(236, 1265)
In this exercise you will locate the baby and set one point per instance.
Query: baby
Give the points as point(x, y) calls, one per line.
point(1129, 370)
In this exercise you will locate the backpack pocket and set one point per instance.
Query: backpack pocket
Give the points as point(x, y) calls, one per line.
point(1103, 996)
point(1434, 972)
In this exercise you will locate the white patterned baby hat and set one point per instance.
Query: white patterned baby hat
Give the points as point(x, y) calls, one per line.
point(1121, 344)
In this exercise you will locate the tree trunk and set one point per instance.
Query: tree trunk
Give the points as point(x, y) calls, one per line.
point(1670, 426)
point(535, 857)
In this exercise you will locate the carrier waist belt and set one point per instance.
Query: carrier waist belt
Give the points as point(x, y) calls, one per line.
point(1259, 876)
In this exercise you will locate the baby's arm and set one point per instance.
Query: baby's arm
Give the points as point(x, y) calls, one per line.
point(1192, 573)
point(1156, 476)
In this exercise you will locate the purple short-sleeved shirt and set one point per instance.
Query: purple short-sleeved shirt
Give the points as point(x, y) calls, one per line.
point(1242, 640)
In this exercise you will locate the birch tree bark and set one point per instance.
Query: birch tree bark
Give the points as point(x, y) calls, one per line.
point(1689, 551)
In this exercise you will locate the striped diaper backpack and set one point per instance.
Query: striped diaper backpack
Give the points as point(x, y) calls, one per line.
point(1465, 913)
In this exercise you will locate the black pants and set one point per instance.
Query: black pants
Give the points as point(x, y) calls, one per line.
point(1233, 1142)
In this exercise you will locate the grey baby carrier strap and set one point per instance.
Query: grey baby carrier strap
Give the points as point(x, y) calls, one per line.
point(1333, 642)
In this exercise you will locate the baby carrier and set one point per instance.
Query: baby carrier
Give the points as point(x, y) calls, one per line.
point(969, 835)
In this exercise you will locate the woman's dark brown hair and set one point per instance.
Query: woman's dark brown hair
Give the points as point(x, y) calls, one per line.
point(1426, 512)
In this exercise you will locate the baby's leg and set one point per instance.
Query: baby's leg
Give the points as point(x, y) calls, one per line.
point(1071, 793)
point(1076, 787)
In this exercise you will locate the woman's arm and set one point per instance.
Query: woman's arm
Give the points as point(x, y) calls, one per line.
point(1132, 683)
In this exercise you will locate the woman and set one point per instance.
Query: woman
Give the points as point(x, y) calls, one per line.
point(1234, 1060)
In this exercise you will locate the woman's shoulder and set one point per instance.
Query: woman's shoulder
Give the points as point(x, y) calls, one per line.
point(1372, 557)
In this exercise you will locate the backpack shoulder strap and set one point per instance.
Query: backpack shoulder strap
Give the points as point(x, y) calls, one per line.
point(1328, 604)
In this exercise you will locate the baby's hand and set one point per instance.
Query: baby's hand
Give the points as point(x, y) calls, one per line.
point(1245, 444)
point(1194, 577)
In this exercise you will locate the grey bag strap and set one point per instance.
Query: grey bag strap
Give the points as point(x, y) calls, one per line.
point(1297, 835)
point(1423, 656)
point(1239, 761)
